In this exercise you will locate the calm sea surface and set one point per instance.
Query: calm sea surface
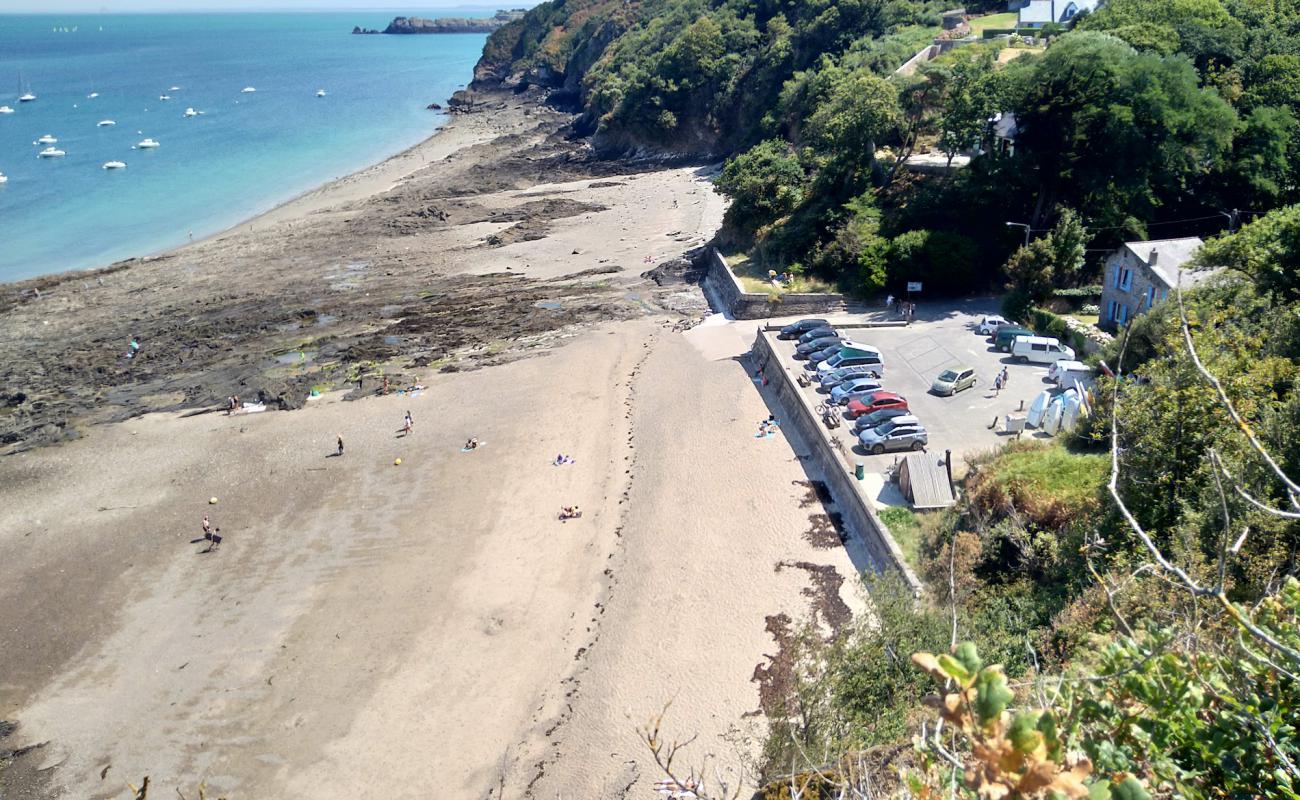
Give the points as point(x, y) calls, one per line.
point(244, 154)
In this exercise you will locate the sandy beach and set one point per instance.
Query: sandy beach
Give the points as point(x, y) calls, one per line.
point(370, 630)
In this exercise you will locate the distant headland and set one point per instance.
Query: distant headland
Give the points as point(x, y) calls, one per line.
point(448, 24)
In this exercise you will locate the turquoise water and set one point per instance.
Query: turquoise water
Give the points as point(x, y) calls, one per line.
point(245, 154)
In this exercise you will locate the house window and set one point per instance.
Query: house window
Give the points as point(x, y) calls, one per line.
point(1123, 313)
point(1118, 270)
point(1110, 312)
point(1151, 296)
point(1126, 280)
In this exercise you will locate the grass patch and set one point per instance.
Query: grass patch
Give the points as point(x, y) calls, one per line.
point(753, 278)
point(905, 527)
point(1086, 319)
point(1007, 19)
point(1051, 474)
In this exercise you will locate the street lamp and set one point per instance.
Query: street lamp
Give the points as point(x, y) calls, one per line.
point(1021, 225)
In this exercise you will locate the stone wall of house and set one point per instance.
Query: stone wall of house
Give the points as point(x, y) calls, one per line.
point(1136, 296)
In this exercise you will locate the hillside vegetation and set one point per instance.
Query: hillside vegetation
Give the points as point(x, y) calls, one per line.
point(1113, 616)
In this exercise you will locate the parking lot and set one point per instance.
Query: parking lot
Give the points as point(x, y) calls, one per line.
point(940, 338)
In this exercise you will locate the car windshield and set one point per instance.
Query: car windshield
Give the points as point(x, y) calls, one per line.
point(886, 427)
point(948, 375)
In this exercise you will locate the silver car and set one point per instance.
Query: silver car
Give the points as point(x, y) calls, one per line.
point(835, 377)
point(846, 391)
point(899, 433)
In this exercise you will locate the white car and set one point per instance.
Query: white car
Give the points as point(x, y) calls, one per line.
point(988, 325)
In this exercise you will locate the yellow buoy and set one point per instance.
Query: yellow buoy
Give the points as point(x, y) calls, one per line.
point(397, 462)
point(212, 501)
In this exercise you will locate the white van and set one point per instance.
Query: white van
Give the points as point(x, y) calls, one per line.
point(1040, 350)
point(1065, 373)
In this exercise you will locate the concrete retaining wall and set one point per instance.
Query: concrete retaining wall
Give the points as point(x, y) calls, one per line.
point(725, 289)
point(859, 512)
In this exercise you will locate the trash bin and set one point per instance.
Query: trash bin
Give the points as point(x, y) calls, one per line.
point(860, 471)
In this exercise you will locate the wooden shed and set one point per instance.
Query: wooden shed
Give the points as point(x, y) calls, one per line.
point(923, 479)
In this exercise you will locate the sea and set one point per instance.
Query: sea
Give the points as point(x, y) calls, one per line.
point(240, 154)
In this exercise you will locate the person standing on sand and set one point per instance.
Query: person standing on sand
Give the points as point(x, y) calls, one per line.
point(207, 528)
point(340, 444)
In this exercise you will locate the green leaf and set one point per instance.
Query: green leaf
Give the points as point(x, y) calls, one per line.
point(955, 669)
point(1024, 731)
point(992, 694)
point(1099, 790)
point(1130, 789)
point(969, 657)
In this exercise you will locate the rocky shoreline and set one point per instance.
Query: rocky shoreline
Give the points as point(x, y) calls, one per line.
point(413, 25)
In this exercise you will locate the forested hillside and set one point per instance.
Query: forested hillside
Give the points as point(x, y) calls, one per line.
point(1127, 600)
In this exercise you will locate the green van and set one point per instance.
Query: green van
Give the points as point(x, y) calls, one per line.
point(1006, 335)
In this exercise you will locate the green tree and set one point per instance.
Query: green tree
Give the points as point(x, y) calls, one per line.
point(1113, 132)
point(972, 95)
point(1267, 250)
point(844, 129)
point(764, 184)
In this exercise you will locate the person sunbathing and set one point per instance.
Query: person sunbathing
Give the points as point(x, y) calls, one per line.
point(570, 512)
point(472, 444)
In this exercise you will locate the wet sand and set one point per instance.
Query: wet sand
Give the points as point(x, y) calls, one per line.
point(368, 630)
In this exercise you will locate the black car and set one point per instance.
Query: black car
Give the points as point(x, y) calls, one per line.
point(816, 345)
point(797, 329)
point(817, 333)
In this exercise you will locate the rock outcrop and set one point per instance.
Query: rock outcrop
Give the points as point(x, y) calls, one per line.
point(449, 24)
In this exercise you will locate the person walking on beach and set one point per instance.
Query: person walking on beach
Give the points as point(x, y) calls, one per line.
point(407, 425)
point(340, 436)
point(1006, 377)
point(207, 528)
point(997, 385)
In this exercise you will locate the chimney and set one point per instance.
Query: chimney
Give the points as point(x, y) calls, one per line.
point(1151, 260)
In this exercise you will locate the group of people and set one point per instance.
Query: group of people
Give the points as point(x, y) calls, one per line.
point(903, 308)
point(561, 460)
point(1000, 382)
point(780, 278)
point(233, 404)
point(767, 427)
point(569, 512)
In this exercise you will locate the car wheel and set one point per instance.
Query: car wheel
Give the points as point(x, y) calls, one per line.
point(877, 449)
point(917, 446)
point(1022, 359)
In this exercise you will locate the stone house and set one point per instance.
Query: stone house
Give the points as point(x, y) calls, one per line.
point(1138, 275)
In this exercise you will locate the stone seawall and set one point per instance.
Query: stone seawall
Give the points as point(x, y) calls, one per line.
point(725, 290)
point(859, 513)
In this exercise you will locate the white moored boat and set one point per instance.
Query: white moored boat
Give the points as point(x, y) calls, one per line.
point(164, 97)
point(27, 97)
point(92, 95)
point(146, 144)
point(189, 112)
point(320, 92)
point(174, 89)
point(247, 90)
point(51, 152)
point(3, 178)
point(6, 110)
point(115, 165)
point(105, 123)
point(47, 139)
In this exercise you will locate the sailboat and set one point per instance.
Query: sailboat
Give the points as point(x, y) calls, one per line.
point(27, 95)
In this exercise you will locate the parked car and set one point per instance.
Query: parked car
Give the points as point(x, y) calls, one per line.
point(813, 345)
point(875, 401)
point(796, 329)
point(1006, 334)
point(952, 381)
point(989, 325)
point(845, 391)
point(829, 380)
point(829, 348)
point(849, 356)
point(1040, 350)
point(818, 333)
point(899, 433)
point(1065, 373)
point(869, 421)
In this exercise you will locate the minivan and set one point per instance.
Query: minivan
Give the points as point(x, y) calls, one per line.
point(1065, 373)
point(853, 356)
point(1006, 334)
point(1040, 350)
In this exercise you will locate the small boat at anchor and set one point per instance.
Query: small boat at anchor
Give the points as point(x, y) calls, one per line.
point(47, 139)
point(51, 152)
point(147, 144)
point(114, 165)
point(190, 112)
point(164, 97)
point(105, 123)
point(247, 90)
point(320, 92)
point(3, 178)
point(6, 110)
point(92, 95)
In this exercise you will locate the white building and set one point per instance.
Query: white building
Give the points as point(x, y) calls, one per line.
point(1037, 13)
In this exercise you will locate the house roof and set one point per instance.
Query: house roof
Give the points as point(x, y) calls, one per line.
point(1171, 257)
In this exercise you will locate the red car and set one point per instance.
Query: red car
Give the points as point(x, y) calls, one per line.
point(874, 402)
